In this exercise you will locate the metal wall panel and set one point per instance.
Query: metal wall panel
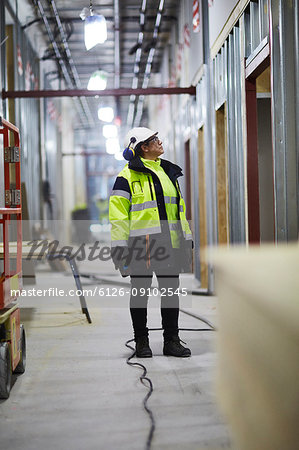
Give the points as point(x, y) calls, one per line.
point(200, 106)
point(264, 18)
point(284, 57)
point(25, 112)
point(195, 53)
point(235, 141)
point(198, 120)
point(239, 134)
point(220, 76)
point(219, 12)
point(194, 173)
point(256, 25)
point(210, 143)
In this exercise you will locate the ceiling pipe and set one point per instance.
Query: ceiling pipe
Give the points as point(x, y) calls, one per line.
point(132, 19)
point(122, 92)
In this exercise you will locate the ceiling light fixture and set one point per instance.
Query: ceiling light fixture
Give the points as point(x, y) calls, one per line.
point(118, 156)
point(112, 146)
point(97, 81)
point(110, 131)
point(95, 28)
point(106, 113)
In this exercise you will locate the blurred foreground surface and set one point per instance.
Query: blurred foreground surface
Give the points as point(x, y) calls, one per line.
point(258, 343)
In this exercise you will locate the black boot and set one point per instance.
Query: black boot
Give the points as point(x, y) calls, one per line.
point(173, 347)
point(142, 347)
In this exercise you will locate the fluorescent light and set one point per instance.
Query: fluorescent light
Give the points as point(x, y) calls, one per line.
point(151, 55)
point(95, 31)
point(158, 20)
point(135, 83)
point(97, 81)
point(138, 55)
point(106, 114)
point(148, 68)
point(112, 146)
point(110, 131)
point(161, 5)
point(50, 145)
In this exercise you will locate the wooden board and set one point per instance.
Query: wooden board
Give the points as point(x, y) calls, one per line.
point(258, 344)
point(263, 81)
point(222, 178)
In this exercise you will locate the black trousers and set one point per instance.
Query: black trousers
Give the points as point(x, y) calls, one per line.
point(168, 286)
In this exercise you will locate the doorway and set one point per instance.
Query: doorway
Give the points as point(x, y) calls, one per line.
point(260, 182)
point(265, 156)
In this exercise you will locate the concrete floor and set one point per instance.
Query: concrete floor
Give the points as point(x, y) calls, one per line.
point(79, 393)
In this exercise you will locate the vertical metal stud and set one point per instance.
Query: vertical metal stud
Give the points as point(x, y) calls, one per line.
point(210, 144)
point(264, 18)
point(254, 25)
point(231, 139)
point(283, 57)
point(296, 43)
point(235, 138)
point(248, 44)
point(239, 135)
point(194, 169)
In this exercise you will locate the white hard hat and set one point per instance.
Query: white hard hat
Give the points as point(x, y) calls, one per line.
point(138, 135)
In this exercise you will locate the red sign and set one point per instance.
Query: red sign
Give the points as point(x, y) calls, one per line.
point(20, 63)
point(186, 35)
point(195, 19)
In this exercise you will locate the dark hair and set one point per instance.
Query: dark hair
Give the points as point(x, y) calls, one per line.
point(138, 149)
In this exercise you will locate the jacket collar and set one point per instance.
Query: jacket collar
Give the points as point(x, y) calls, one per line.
point(172, 170)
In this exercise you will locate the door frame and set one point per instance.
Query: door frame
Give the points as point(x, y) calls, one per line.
point(253, 68)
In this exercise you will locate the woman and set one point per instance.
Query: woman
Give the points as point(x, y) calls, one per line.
point(150, 234)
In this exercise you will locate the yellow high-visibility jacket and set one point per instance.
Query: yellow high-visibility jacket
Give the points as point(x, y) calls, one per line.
point(147, 212)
